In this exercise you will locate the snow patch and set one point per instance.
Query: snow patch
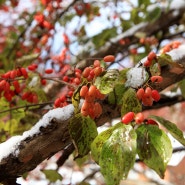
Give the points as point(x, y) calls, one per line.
point(177, 54)
point(61, 114)
point(11, 145)
point(136, 77)
point(177, 4)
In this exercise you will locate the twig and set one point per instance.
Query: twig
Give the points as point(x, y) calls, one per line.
point(26, 106)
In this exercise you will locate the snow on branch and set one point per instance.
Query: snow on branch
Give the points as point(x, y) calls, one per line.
point(11, 146)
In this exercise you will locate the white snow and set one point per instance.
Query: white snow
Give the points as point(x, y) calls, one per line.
point(177, 54)
point(11, 145)
point(136, 77)
point(177, 4)
point(59, 114)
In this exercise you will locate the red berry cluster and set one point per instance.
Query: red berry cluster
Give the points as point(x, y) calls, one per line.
point(138, 118)
point(30, 97)
point(89, 73)
point(147, 96)
point(90, 106)
point(72, 81)
point(9, 85)
point(170, 46)
point(60, 102)
point(148, 41)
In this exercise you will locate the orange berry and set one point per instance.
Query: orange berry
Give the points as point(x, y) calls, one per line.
point(86, 72)
point(97, 71)
point(109, 58)
point(140, 92)
point(96, 63)
point(151, 56)
point(156, 79)
point(92, 90)
point(83, 91)
point(139, 118)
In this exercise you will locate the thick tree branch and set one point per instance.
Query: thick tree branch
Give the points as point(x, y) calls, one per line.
point(113, 46)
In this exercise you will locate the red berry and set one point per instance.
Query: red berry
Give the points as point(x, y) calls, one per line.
point(156, 79)
point(24, 72)
point(86, 72)
point(155, 95)
point(70, 93)
point(83, 91)
point(139, 118)
point(151, 56)
point(13, 74)
point(152, 122)
point(97, 109)
point(65, 78)
point(147, 63)
point(2, 84)
point(148, 91)
point(16, 86)
point(109, 58)
point(127, 118)
point(43, 81)
point(96, 63)
point(57, 102)
point(140, 92)
point(97, 71)
point(92, 90)
point(147, 100)
point(49, 71)
point(76, 81)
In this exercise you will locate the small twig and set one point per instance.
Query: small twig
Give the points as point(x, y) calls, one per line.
point(26, 106)
point(59, 81)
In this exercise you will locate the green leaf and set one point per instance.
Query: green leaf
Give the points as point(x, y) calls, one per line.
point(130, 102)
point(155, 69)
point(98, 142)
point(76, 99)
point(118, 154)
point(171, 127)
point(107, 82)
point(154, 148)
point(182, 87)
point(52, 175)
point(164, 59)
point(83, 131)
point(116, 96)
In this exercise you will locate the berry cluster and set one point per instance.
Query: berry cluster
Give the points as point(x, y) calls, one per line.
point(170, 46)
point(90, 93)
point(147, 96)
point(89, 74)
point(90, 106)
point(148, 41)
point(138, 118)
point(61, 101)
point(9, 85)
